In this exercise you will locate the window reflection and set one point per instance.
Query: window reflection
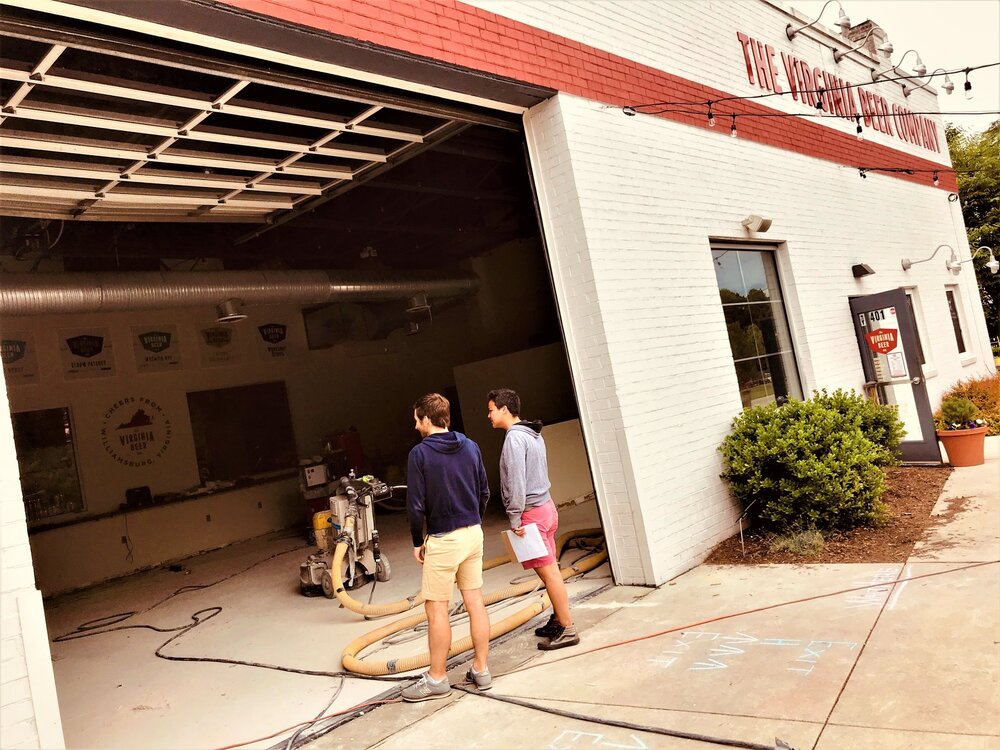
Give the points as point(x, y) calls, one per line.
point(759, 336)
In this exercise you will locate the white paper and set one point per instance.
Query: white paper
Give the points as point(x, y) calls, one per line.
point(530, 546)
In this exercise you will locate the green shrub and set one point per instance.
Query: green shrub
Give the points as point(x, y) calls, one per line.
point(808, 464)
point(984, 392)
point(957, 413)
point(880, 424)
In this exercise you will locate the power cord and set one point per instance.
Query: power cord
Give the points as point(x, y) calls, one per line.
point(621, 724)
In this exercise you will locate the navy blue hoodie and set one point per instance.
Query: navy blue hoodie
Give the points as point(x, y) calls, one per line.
point(446, 485)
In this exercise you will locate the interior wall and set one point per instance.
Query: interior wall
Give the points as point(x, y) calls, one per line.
point(541, 378)
point(369, 385)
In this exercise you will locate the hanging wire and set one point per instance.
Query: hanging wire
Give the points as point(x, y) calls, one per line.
point(942, 71)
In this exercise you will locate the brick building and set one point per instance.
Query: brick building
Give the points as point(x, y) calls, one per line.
point(643, 168)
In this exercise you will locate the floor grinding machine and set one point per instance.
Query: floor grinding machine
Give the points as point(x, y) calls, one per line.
point(350, 519)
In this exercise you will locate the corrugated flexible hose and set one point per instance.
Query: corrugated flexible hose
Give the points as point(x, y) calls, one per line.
point(353, 663)
point(390, 608)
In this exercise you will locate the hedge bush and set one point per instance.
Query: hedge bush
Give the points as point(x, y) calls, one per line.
point(880, 424)
point(812, 464)
point(984, 392)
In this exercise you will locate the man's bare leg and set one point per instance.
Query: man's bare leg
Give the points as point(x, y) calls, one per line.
point(438, 638)
point(479, 627)
point(556, 588)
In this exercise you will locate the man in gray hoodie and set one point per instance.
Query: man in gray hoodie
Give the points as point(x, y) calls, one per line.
point(524, 483)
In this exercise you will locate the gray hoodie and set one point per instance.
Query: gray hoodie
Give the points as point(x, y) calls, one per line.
point(524, 473)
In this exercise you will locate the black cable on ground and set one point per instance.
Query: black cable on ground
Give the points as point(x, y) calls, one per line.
point(615, 723)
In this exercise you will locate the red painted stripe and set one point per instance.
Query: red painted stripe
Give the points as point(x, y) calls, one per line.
point(452, 32)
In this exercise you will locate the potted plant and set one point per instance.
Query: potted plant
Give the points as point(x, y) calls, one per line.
point(961, 432)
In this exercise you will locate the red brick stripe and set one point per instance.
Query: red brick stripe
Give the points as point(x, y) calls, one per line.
point(452, 32)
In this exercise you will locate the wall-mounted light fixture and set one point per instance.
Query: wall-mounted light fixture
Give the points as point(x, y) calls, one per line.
point(755, 223)
point(947, 86)
point(907, 263)
point(885, 48)
point(955, 265)
point(920, 69)
point(230, 311)
point(860, 270)
point(842, 21)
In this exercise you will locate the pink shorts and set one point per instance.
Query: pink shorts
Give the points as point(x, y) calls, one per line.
point(548, 521)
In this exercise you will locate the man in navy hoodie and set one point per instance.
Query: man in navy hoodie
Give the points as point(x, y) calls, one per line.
point(447, 491)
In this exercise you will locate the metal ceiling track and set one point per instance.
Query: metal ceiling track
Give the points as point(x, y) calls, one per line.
point(229, 154)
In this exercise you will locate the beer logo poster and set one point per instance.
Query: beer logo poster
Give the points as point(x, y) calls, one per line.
point(86, 353)
point(218, 346)
point(272, 339)
point(20, 364)
point(156, 348)
point(135, 431)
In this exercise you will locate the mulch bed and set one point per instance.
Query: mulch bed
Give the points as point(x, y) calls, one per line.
point(911, 494)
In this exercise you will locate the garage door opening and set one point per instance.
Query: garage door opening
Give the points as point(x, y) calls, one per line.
point(214, 275)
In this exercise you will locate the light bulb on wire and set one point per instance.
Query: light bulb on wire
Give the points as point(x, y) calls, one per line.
point(861, 131)
point(711, 116)
point(732, 130)
point(936, 180)
point(968, 85)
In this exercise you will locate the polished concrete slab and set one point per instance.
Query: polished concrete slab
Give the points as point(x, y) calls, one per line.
point(114, 692)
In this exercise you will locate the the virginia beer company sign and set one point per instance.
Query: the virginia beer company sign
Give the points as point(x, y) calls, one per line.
point(135, 431)
point(882, 340)
point(804, 81)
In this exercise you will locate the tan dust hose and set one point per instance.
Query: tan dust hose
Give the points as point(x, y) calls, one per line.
point(352, 663)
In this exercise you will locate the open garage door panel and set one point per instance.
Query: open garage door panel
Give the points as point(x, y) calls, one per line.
point(370, 244)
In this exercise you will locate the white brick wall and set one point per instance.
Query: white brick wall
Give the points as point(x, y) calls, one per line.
point(629, 205)
point(29, 712)
point(696, 39)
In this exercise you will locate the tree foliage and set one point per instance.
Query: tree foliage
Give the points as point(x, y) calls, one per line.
point(980, 195)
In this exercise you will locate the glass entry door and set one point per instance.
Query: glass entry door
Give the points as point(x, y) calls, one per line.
point(888, 342)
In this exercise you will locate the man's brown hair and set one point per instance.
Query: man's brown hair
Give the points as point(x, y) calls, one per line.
point(436, 408)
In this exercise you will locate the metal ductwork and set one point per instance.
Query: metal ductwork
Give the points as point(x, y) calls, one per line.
point(42, 293)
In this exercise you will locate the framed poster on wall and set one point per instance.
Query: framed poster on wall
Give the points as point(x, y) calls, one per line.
point(86, 353)
point(156, 348)
point(20, 362)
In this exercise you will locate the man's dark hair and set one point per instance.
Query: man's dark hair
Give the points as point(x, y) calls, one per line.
point(502, 397)
point(435, 407)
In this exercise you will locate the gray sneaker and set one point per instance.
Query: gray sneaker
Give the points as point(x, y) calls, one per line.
point(482, 680)
point(426, 689)
point(564, 638)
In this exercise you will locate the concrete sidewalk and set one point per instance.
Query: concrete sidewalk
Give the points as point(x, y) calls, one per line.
point(911, 664)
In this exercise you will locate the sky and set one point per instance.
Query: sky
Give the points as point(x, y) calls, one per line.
point(947, 34)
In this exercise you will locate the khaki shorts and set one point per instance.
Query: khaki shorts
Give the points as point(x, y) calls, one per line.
point(456, 555)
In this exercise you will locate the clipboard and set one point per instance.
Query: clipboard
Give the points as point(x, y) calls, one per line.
point(531, 546)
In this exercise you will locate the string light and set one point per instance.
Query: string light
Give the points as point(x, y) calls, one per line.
point(711, 117)
point(732, 130)
point(819, 98)
point(968, 84)
point(938, 72)
point(861, 130)
point(935, 173)
point(629, 111)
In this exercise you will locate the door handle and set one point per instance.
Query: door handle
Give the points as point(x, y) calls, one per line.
point(917, 381)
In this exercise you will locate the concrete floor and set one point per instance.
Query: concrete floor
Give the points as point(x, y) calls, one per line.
point(898, 665)
point(114, 692)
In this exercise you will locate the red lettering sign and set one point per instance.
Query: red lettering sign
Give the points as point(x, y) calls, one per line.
point(882, 340)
